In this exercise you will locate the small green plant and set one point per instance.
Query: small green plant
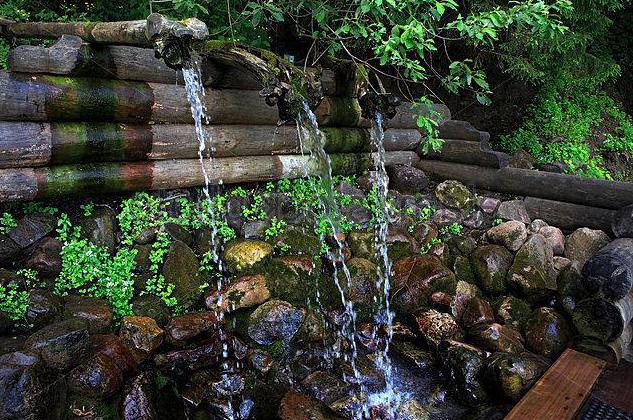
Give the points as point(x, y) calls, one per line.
point(88, 209)
point(275, 229)
point(14, 301)
point(427, 247)
point(156, 284)
point(255, 211)
point(453, 229)
point(7, 222)
point(497, 222)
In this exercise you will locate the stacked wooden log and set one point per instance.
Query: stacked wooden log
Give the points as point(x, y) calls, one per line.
point(86, 118)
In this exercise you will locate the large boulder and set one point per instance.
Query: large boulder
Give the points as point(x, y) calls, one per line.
point(547, 332)
point(415, 278)
point(532, 272)
point(274, 321)
point(141, 335)
point(240, 293)
point(513, 210)
point(514, 374)
point(181, 269)
point(581, 244)
point(512, 234)
point(99, 227)
point(99, 377)
point(61, 345)
point(45, 258)
point(407, 179)
point(490, 265)
point(243, 254)
point(454, 194)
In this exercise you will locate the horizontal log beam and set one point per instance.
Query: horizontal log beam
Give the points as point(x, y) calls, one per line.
point(22, 184)
point(460, 130)
point(32, 144)
point(26, 97)
point(568, 216)
point(523, 182)
point(469, 152)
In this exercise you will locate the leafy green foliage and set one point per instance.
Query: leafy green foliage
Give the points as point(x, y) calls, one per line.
point(275, 229)
point(14, 295)
point(7, 222)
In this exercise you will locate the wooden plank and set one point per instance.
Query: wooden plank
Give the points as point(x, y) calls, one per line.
point(561, 392)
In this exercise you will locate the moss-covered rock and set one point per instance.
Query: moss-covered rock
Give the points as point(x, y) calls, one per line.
point(293, 279)
point(514, 374)
point(275, 321)
point(513, 311)
point(547, 332)
point(242, 292)
point(362, 245)
point(490, 264)
point(532, 272)
point(463, 364)
point(437, 326)
point(181, 268)
point(240, 255)
point(512, 234)
point(454, 194)
point(496, 337)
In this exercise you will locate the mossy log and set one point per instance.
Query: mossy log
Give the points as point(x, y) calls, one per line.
point(469, 152)
point(31, 144)
point(20, 184)
point(612, 352)
point(552, 186)
point(568, 216)
point(602, 318)
point(610, 270)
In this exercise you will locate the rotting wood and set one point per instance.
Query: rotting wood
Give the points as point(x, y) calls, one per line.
point(523, 182)
point(562, 390)
point(568, 216)
point(21, 184)
point(31, 144)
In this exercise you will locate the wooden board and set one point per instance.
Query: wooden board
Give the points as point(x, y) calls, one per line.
point(561, 392)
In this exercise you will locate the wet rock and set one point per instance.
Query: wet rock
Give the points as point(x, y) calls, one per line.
point(513, 312)
point(177, 233)
point(407, 179)
point(583, 243)
point(620, 224)
point(363, 281)
point(141, 335)
point(28, 390)
point(296, 406)
point(522, 160)
point(260, 361)
point(299, 241)
point(561, 263)
point(415, 278)
point(490, 264)
point(146, 237)
point(183, 328)
point(547, 332)
point(554, 236)
point(138, 401)
point(325, 387)
point(513, 210)
point(362, 245)
point(495, 337)
point(357, 214)
point(514, 374)
point(313, 328)
point(475, 220)
point(400, 244)
point(152, 307)
point(463, 269)
point(454, 194)
point(463, 364)
point(181, 269)
point(477, 311)
point(437, 326)
point(255, 229)
point(444, 217)
point(275, 320)
point(99, 377)
point(8, 249)
point(242, 292)
point(32, 228)
point(413, 355)
point(489, 204)
point(113, 348)
point(291, 279)
point(512, 235)
point(243, 254)
point(61, 345)
point(571, 289)
point(143, 262)
point(412, 410)
point(182, 362)
point(532, 272)
point(99, 227)
point(45, 258)
point(11, 343)
point(234, 217)
point(463, 293)
point(43, 307)
point(96, 312)
point(424, 233)
point(371, 378)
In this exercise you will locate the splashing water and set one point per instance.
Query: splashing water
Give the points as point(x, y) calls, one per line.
point(195, 94)
point(388, 398)
point(312, 139)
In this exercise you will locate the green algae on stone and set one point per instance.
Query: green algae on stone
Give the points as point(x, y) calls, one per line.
point(454, 194)
point(514, 374)
point(512, 311)
point(547, 332)
point(490, 264)
point(532, 272)
point(181, 269)
point(240, 255)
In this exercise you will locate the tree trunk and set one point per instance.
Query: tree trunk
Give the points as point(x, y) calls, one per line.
point(31, 144)
point(22, 184)
point(567, 188)
point(568, 216)
point(610, 270)
point(603, 319)
point(469, 152)
point(612, 352)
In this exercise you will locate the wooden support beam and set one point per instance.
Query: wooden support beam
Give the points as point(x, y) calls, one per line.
point(471, 153)
point(562, 390)
point(22, 184)
point(32, 144)
point(568, 216)
point(523, 182)
point(460, 130)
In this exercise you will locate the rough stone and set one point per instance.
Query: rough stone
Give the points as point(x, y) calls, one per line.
point(96, 312)
point(43, 307)
point(362, 244)
point(514, 374)
point(537, 224)
point(407, 179)
point(98, 377)
point(255, 229)
point(32, 228)
point(153, 307)
point(181, 269)
point(183, 328)
point(475, 220)
point(240, 293)
point(182, 362)
point(61, 345)
point(99, 227)
point(621, 224)
point(490, 264)
point(8, 249)
point(463, 363)
point(45, 258)
point(443, 217)
point(454, 194)
point(463, 293)
point(532, 272)
point(489, 205)
point(583, 243)
point(477, 311)
point(512, 235)
point(177, 233)
point(514, 312)
point(555, 237)
point(437, 326)
point(139, 397)
point(112, 347)
point(296, 406)
point(243, 254)
point(547, 332)
point(495, 337)
point(141, 335)
point(513, 210)
point(273, 321)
